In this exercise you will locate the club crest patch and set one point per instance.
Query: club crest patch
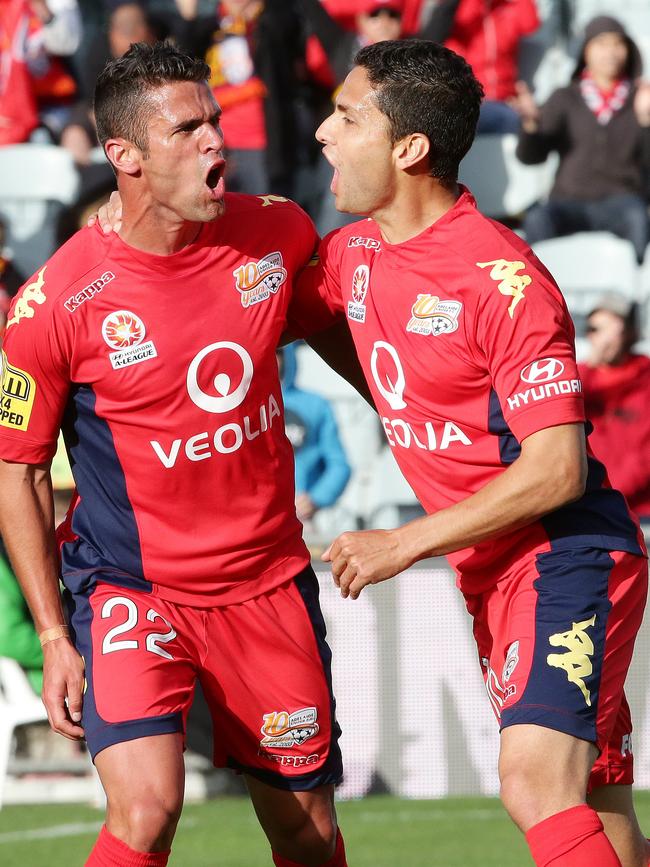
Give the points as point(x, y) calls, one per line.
point(257, 281)
point(431, 316)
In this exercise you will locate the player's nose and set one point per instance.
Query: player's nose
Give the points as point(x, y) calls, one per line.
point(211, 138)
point(324, 131)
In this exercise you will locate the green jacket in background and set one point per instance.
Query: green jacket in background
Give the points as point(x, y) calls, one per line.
point(18, 638)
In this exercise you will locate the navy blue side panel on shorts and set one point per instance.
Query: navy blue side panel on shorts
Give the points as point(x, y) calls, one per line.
point(99, 733)
point(571, 614)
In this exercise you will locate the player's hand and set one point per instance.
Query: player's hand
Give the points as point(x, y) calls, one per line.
point(366, 557)
point(109, 215)
point(524, 104)
point(305, 507)
point(63, 686)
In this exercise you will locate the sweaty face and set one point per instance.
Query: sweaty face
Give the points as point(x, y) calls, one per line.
point(357, 144)
point(183, 169)
point(606, 55)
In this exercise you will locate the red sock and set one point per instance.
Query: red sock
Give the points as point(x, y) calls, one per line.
point(337, 859)
point(108, 851)
point(572, 838)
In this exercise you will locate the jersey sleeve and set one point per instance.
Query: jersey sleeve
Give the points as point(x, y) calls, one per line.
point(35, 376)
point(525, 335)
point(316, 302)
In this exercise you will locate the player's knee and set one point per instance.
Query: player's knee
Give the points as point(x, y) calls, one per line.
point(311, 841)
point(146, 823)
point(524, 797)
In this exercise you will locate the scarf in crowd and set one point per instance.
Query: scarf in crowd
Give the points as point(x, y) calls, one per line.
point(604, 104)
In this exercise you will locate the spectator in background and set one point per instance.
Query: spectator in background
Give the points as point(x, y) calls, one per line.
point(600, 125)
point(322, 470)
point(33, 34)
point(127, 22)
point(487, 34)
point(253, 49)
point(616, 385)
point(375, 21)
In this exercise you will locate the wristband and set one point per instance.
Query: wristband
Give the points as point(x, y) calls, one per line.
point(53, 633)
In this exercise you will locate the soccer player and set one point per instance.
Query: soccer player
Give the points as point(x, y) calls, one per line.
point(182, 557)
point(467, 347)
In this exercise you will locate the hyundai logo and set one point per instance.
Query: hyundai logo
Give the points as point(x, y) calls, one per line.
point(543, 370)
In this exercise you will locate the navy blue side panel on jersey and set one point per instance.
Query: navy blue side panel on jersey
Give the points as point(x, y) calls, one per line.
point(572, 590)
point(509, 448)
point(600, 518)
point(331, 772)
point(100, 734)
point(108, 539)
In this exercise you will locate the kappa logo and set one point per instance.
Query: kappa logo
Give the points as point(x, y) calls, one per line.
point(88, 292)
point(17, 399)
point(431, 316)
point(543, 370)
point(201, 372)
point(31, 294)
point(124, 331)
point(257, 281)
point(267, 201)
point(509, 281)
point(576, 662)
point(369, 243)
point(290, 761)
point(284, 730)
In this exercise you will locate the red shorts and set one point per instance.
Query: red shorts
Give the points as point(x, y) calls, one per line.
point(555, 641)
point(264, 667)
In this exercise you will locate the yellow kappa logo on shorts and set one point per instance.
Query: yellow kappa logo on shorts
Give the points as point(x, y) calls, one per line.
point(17, 399)
point(576, 663)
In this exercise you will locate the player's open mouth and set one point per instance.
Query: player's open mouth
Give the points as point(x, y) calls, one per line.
point(335, 181)
point(214, 179)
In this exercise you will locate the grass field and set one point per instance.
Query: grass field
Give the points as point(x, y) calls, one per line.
point(380, 832)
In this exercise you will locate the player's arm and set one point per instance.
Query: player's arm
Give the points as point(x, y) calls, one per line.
point(550, 472)
point(336, 347)
point(26, 491)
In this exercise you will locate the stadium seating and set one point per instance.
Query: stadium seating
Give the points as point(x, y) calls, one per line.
point(502, 186)
point(36, 182)
point(19, 705)
point(587, 264)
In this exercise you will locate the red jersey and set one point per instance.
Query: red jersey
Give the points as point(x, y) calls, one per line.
point(161, 371)
point(467, 347)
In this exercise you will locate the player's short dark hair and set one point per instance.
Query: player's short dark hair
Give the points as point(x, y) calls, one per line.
point(423, 87)
point(122, 108)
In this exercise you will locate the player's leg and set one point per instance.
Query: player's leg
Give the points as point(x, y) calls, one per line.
point(140, 673)
point(615, 808)
point(267, 681)
point(144, 781)
point(545, 797)
point(300, 826)
point(555, 655)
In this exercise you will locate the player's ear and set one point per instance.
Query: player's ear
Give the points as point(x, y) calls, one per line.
point(123, 155)
point(411, 150)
